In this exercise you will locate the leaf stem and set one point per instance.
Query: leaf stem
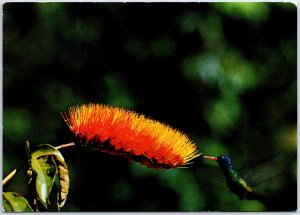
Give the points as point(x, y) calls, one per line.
point(9, 176)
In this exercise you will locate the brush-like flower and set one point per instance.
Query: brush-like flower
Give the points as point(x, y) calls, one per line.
point(127, 134)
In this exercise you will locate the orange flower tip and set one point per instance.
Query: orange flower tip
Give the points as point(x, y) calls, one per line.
point(127, 134)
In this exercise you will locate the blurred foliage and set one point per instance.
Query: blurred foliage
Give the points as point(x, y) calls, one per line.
point(224, 73)
point(249, 11)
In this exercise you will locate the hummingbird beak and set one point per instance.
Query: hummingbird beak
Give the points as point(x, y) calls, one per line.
point(210, 158)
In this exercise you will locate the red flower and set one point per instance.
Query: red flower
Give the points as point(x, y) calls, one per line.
point(128, 134)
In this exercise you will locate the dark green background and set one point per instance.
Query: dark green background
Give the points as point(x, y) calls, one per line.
point(223, 73)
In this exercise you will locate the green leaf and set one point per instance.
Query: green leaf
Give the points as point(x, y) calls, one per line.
point(46, 171)
point(43, 150)
point(12, 202)
point(47, 159)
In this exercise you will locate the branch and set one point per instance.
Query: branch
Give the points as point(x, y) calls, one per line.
point(65, 145)
point(10, 175)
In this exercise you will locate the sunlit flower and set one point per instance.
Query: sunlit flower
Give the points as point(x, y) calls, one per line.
point(127, 134)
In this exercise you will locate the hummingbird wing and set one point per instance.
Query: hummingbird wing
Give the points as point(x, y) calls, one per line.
point(266, 170)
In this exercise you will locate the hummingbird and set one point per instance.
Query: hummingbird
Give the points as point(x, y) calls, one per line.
point(237, 184)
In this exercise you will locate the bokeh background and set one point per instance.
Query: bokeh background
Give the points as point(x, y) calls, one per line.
point(223, 73)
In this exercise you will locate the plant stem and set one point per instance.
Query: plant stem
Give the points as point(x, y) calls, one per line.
point(10, 175)
point(65, 145)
